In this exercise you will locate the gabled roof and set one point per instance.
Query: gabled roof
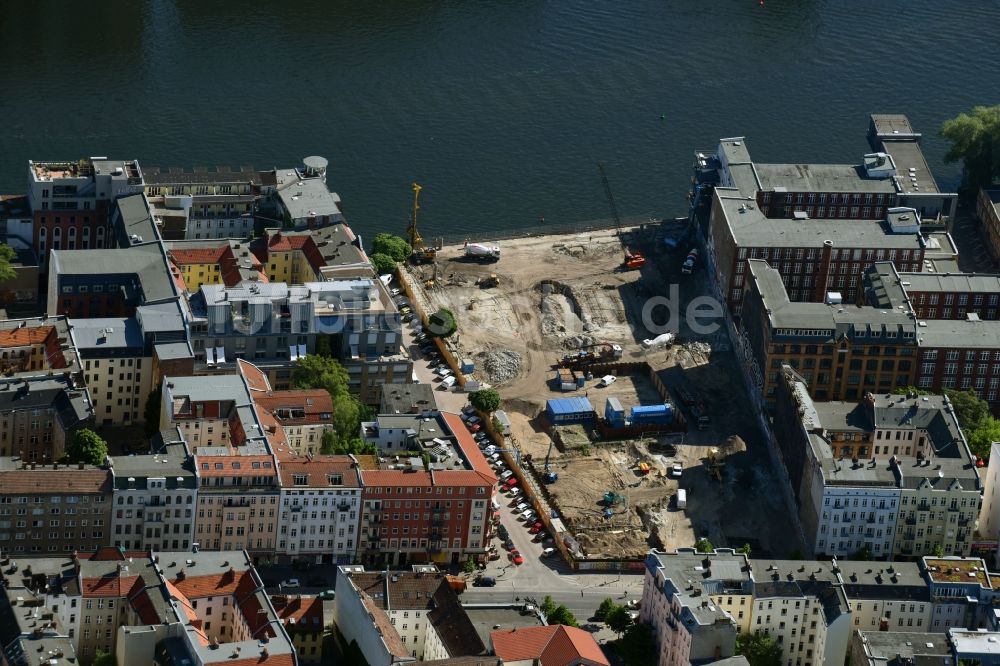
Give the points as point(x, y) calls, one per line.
point(553, 645)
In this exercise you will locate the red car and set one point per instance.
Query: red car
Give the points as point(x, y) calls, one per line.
point(511, 482)
point(515, 557)
point(474, 427)
point(536, 528)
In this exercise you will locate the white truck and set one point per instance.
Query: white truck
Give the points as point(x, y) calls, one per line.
point(662, 340)
point(482, 252)
point(692, 258)
point(682, 498)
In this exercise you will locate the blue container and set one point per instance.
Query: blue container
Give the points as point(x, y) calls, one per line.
point(653, 414)
point(562, 411)
point(614, 413)
point(466, 366)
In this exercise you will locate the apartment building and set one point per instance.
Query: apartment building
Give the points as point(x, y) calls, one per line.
point(212, 412)
point(71, 202)
point(273, 324)
point(53, 508)
point(302, 617)
point(203, 203)
point(302, 198)
point(304, 415)
point(414, 511)
point(155, 496)
point(403, 616)
point(326, 253)
point(43, 397)
point(987, 533)
point(934, 295)
point(552, 644)
point(171, 607)
point(238, 503)
point(841, 351)
point(878, 648)
point(227, 262)
point(320, 509)
point(887, 596)
point(688, 620)
point(988, 212)
point(891, 474)
point(964, 592)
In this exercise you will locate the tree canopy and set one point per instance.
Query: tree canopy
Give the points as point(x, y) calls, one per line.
point(392, 246)
point(558, 614)
point(382, 263)
point(327, 373)
point(607, 605)
point(485, 400)
point(618, 619)
point(87, 447)
point(703, 546)
point(975, 140)
point(104, 659)
point(442, 323)
point(759, 649)
point(7, 255)
point(981, 439)
point(971, 410)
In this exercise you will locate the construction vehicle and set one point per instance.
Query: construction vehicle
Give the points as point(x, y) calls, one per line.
point(602, 351)
point(481, 252)
point(715, 463)
point(488, 282)
point(633, 259)
point(611, 498)
point(422, 253)
point(689, 262)
point(662, 340)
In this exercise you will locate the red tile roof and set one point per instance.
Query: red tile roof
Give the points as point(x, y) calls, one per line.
point(467, 443)
point(212, 585)
point(270, 660)
point(200, 255)
point(108, 586)
point(393, 641)
point(55, 481)
point(313, 402)
point(23, 337)
point(318, 469)
point(305, 613)
point(254, 376)
point(554, 645)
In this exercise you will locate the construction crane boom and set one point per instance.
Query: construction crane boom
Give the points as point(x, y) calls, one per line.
point(421, 253)
point(632, 259)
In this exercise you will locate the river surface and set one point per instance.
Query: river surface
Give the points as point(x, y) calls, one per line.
point(499, 108)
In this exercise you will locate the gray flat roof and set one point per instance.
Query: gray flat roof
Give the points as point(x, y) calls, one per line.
point(727, 571)
point(146, 261)
point(950, 282)
point(400, 398)
point(892, 124)
point(220, 175)
point(485, 619)
point(821, 178)
point(908, 155)
point(107, 333)
point(136, 219)
point(175, 466)
point(308, 197)
point(886, 646)
point(959, 333)
point(751, 228)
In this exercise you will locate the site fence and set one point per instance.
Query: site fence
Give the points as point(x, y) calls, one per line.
point(544, 230)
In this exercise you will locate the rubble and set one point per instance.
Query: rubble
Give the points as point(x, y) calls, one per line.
point(501, 365)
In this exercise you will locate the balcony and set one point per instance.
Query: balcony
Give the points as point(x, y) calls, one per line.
point(343, 506)
point(911, 520)
point(924, 506)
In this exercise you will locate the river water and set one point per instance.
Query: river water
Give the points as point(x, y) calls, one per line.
point(499, 108)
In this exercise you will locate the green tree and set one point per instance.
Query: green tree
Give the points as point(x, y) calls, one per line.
point(323, 346)
point(745, 550)
point(327, 442)
point(971, 410)
point(87, 447)
point(315, 371)
point(703, 546)
point(557, 614)
point(382, 263)
point(975, 140)
point(104, 659)
point(618, 619)
point(636, 647)
point(7, 255)
point(470, 565)
point(606, 607)
point(151, 412)
point(907, 390)
point(442, 323)
point(981, 439)
point(485, 400)
point(392, 246)
point(938, 550)
point(759, 649)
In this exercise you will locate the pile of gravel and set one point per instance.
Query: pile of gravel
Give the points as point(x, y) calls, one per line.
point(501, 365)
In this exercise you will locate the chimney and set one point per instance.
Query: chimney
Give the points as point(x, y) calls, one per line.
point(181, 575)
point(79, 465)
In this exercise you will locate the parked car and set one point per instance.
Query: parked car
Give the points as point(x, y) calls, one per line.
point(395, 291)
point(473, 420)
point(516, 557)
point(591, 627)
point(485, 581)
point(474, 427)
point(511, 482)
point(506, 475)
point(443, 371)
point(522, 507)
point(408, 317)
point(515, 491)
point(607, 380)
point(676, 470)
point(529, 515)
point(548, 552)
point(536, 528)
point(490, 450)
point(468, 410)
point(291, 582)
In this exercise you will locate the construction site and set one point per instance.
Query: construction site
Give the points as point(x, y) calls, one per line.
point(524, 304)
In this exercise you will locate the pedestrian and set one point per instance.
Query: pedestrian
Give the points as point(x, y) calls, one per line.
point(581, 593)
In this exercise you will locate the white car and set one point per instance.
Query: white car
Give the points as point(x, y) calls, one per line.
point(444, 372)
point(607, 380)
point(291, 582)
point(523, 506)
point(506, 475)
point(489, 450)
point(528, 515)
point(514, 492)
point(548, 552)
point(676, 470)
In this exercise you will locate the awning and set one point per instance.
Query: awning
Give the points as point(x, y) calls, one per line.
point(293, 354)
point(302, 351)
point(209, 356)
point(220, 354)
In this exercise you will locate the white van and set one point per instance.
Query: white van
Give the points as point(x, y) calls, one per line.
point(682, 498)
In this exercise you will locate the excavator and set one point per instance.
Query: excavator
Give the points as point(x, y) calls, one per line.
point(633, 259)
point(422, 253)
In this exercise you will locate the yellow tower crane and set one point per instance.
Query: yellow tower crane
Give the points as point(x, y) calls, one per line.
point(422, 254)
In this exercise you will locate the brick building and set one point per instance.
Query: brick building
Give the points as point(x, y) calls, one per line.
point(53, 508)
point(413, 513)
point(988, 211)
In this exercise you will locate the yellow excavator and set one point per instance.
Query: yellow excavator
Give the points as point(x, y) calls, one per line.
point(422, 253)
